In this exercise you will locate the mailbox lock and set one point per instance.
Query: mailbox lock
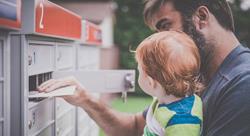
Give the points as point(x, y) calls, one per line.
point(30, 124)
point(29, 60)
point(59, 56)
point(129, 82)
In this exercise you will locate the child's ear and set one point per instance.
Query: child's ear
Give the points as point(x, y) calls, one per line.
point(152, 82)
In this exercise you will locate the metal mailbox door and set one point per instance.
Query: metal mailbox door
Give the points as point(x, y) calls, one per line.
point(103, 81)
point(65, 57)
point(37, 60)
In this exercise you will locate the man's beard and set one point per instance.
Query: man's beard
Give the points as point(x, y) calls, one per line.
point(205, 48)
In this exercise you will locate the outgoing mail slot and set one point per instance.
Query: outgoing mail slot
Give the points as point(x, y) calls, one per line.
point(65, 57)
point(66, 123)
point(49, 131)
point(40, 116)
point(40, 58)
point(62, 106)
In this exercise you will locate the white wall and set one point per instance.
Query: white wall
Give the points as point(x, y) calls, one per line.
point(107, 32)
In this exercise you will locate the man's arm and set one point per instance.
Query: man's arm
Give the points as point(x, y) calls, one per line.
point(113, 123)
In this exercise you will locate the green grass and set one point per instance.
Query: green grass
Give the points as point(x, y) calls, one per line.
point(133, 105)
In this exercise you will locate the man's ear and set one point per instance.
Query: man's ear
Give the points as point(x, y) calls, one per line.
point(201, 17)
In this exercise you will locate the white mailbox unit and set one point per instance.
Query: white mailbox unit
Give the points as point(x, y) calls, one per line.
point(4, 84)
point(55, 43)
point(9, 21)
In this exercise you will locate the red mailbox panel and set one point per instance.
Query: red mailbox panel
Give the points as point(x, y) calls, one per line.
point(10, 14)
point(93, 34)
point(51, 19)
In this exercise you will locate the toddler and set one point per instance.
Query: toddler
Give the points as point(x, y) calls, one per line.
point(168, 64)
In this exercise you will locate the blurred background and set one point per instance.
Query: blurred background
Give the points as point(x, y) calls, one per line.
point(127, 28)
point(123, 26)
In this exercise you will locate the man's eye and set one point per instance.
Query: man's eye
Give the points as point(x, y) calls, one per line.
point(164, 27)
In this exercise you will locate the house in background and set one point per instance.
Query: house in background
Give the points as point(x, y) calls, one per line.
point(102, 13)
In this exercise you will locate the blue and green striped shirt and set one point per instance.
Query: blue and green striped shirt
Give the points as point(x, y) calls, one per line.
point(180, 118)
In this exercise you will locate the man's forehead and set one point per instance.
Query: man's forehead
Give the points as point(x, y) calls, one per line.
point(166, 14)
point(165, 11)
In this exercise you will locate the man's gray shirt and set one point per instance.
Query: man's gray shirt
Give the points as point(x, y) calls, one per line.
point(226, 100)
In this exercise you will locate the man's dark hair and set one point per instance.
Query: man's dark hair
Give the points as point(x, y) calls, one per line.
point(219, 8)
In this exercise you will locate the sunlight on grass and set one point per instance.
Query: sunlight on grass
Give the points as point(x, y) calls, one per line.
point(133, 105)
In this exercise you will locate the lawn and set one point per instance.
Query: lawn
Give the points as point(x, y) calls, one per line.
point(133, 105)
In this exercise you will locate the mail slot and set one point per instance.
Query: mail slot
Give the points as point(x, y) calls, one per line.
point(40, 115)
point(35, 81)
point(65, 58)
point(38, 62)
point(65, 124)
point(49, 131)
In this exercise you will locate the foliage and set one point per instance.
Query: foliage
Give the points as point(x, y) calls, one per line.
point(131, 30)
point(242, 23)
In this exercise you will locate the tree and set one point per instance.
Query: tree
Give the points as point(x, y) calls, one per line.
point(130, 29)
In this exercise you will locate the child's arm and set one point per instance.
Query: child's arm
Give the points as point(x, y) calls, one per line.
point(183, 126)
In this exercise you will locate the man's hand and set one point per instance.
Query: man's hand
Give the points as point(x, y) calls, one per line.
point(76, 99)
point(112, 122)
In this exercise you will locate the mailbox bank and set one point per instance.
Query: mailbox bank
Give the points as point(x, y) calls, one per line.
point(40, 41)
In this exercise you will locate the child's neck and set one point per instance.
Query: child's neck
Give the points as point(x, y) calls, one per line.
point(168, 99)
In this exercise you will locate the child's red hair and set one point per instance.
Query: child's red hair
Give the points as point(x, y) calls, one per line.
point(172, 59)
